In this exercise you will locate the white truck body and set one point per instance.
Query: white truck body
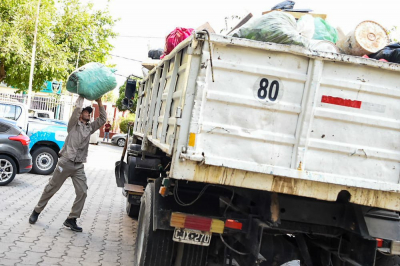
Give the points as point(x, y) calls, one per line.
point(277, 118)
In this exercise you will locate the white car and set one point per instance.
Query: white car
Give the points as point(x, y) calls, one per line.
point(94, 138)
point(41, 113)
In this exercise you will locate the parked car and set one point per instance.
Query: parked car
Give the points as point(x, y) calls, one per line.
point(94, 138)
point(41, 113)
point(118, 139)
point(14, 151)
point(46, 136)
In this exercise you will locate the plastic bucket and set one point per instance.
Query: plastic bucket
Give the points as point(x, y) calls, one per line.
point(367, 38)
point(323, 46)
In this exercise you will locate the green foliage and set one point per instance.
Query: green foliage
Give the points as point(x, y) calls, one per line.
point(109, 97)
point(394, 34)
point(122, 96)
point(230, 22)
point(123, 125)
point(65, 28)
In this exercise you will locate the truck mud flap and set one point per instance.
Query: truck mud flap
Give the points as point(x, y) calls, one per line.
point(121, 169)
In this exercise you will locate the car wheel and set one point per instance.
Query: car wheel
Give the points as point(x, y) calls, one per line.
point(44, 161)
point(121, 142)
point(8, 170)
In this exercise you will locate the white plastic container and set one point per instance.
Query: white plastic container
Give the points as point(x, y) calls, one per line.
point(323, 46)
point(367, 38)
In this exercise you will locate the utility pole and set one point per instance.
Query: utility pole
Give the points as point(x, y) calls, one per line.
point(33, 57)
point(77, 59)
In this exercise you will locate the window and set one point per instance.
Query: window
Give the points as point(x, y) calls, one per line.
point(3, 128)
point(10, 111)
point(43, 115)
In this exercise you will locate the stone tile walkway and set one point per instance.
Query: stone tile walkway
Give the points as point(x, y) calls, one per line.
point(108, 233)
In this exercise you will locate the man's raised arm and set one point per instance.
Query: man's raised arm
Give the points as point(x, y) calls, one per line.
point(76, 113)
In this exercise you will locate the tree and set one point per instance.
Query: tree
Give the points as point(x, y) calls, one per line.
point(123, 125)
point(120, 106)
point(394, 34)
point(66, 28)
point(109, 97)
point(230, 22)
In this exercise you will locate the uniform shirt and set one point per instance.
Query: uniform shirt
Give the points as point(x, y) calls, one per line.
point(77, 142)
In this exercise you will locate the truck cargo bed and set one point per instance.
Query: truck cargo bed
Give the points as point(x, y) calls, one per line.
point(277, 118)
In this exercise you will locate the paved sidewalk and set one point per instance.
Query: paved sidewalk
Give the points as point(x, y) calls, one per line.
point(108, 233)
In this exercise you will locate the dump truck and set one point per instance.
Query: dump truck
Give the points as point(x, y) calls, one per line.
point(252, 153)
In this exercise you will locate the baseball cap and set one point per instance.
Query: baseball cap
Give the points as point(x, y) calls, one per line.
point(88, 108)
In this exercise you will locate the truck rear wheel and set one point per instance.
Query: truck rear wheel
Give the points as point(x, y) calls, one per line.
point(387, 260)
point(192, 255)
point(44, 161)
point(131, 209)
point(152, 248)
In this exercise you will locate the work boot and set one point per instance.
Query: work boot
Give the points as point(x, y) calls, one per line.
point(34, 216)
point(71, 223)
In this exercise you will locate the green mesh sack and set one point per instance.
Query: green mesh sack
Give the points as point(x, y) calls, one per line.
point(92, 81)
point(324, 31)
point(276, 27)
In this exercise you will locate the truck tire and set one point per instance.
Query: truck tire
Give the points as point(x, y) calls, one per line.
point(152, 248)
point(44, 161)
point(194, 255)
point(8, 170)
point(386, 260)
point(131, 209)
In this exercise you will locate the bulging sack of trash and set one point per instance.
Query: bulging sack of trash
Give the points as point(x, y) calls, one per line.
point(92, 81)
point(276, 27)
point(174, 38)
point(155, 53)
point(324, 31)
point(306, 26)
point(390, 53)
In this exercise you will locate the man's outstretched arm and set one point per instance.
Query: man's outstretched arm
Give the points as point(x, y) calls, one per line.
point(76, 113)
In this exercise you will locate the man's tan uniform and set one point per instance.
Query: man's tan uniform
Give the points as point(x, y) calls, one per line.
point(73, 155)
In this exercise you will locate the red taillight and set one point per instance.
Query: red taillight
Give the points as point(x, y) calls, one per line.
point(379, 242)
point(28, 167)
point(198, 223)
point(181, 220)
point(21, 138)
point(233, 224)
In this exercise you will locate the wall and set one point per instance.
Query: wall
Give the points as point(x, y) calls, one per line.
point(113, 115)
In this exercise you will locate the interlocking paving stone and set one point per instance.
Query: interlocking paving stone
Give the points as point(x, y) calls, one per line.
point(108, 233)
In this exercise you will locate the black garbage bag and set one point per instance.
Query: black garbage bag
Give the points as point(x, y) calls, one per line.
point(285, 5)
point(391, 53)
point(156, 53)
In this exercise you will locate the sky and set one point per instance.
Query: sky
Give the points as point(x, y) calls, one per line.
point(143, 25)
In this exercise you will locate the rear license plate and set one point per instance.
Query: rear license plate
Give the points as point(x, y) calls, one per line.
point(192, 237)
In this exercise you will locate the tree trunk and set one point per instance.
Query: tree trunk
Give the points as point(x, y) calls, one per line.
point(2, 72)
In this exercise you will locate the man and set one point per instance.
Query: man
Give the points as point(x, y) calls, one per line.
point(72, 156)
point(107, 128)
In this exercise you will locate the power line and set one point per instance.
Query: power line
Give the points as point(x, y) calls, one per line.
point(123, 57)
point(126, 58)
point(128, 76)
point(143, 37)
